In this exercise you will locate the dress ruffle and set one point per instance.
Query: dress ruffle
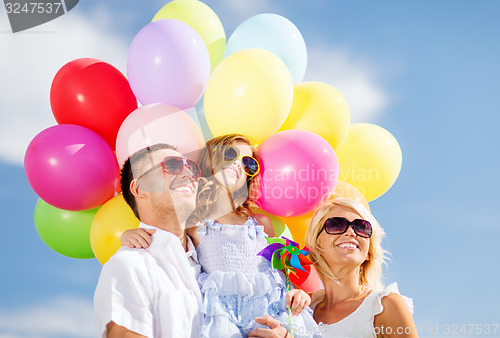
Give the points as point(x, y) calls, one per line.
point(391, 288)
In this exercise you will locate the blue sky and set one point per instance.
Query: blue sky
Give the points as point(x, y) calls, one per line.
point(426, 71)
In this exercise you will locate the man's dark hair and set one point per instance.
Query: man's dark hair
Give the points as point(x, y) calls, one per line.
point(127, 172)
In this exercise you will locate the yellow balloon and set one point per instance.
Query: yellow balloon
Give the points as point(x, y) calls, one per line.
point(370, 160)
point(249, 93)
point(108, 225)
point(321, 109)
point(343, 189)
point(203, 20)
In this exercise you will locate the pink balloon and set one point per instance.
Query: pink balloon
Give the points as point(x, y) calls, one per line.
point(300, 170)
point(71, 167)
point(158, 123)
point(168, 62)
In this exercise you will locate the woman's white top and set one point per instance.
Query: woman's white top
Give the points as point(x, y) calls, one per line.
point(358, 324)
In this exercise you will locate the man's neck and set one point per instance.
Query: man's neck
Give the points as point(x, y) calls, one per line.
point(173, 225)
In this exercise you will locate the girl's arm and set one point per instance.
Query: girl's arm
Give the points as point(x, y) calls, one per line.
point(266, 222)
point(397, 316)
point(297, 300)
point(137, 238)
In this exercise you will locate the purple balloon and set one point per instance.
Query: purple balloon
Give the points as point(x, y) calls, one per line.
point(71, 167)
point(299, 171)
point(168, 62)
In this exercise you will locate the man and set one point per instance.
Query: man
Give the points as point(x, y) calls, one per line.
point(154, 292)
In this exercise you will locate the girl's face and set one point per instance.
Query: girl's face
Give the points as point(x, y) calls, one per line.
point(347, 248)
point(233, 175)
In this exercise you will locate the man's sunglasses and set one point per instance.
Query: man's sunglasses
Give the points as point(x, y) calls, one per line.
point(174, 165)
point(250, 164)
point(339, 225)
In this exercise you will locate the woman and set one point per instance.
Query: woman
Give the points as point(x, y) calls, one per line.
point(344, 241)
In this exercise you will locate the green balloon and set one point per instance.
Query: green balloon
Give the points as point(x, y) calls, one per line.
point(66, 232)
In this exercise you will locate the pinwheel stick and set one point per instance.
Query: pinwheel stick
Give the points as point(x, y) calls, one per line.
point(285, 254)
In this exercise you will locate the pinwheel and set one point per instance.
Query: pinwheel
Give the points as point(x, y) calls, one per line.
point(285, 254)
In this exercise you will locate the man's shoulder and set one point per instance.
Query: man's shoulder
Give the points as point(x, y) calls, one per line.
point(127, 257)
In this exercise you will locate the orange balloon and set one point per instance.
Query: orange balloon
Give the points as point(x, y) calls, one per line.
point(298, 226)
point(109, 223)
point(344, 189)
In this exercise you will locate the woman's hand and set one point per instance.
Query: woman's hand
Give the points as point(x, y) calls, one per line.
point(276, 330)
point(137, 238)
point(297, 300)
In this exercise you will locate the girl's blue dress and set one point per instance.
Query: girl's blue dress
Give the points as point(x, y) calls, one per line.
point(238, 285)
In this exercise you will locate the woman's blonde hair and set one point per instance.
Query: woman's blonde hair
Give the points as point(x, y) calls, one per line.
point(370, 274)
point(210, 189)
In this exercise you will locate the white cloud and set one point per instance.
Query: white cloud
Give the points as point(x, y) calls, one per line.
point(28, 64)
point(357, 80)
point(60, 317)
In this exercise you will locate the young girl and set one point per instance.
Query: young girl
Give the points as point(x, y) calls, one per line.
point(237, 284)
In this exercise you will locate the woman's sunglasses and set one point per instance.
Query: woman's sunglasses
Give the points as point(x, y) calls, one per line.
point(250, 164)
point(174, 165)
point(339, 225)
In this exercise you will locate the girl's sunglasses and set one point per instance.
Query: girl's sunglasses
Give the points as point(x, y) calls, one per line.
point(339, 225)
point(174, 165)
point(250, 164)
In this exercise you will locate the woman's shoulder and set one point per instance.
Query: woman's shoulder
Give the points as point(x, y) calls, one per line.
point(389, 300)
point(316, 298)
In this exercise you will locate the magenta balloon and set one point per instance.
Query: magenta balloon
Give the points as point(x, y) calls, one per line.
point(299, 171)
point(71, 167)
point(168, 62)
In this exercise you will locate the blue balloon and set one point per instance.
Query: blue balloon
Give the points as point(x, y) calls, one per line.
point(275, 34)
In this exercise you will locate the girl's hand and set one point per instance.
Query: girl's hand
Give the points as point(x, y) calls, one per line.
point(276, 330)
point(137, 238)
point(297, 300)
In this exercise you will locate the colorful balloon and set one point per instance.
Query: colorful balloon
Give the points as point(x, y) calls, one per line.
point(71, 167)
point(158, 123)
point(204, 21)
point(298, 226)
point(345, 190)
point(308, 280)
point(108, 225)
point(92, 94)
point(322, 109)
point(279, 226)
point(370, 160)
point(249, 93)
point(300, 170)
point(66, 232)
point(275, 34)
point(168, 62)
point(202, 120)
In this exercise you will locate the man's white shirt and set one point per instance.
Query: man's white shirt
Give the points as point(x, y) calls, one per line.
point(153, 291)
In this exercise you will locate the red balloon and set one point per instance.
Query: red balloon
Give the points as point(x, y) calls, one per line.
point(308, 280)
point(93, 94)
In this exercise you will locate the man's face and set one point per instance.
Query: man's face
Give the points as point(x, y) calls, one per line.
point(168, 192)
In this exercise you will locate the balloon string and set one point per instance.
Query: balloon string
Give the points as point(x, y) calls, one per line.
point(290, 308)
